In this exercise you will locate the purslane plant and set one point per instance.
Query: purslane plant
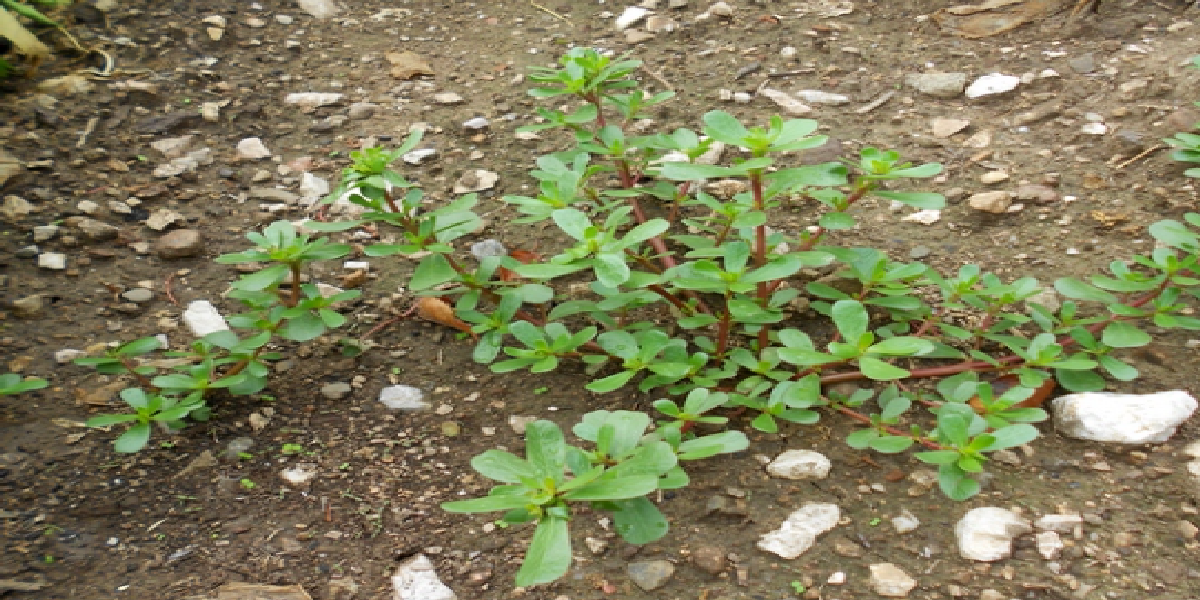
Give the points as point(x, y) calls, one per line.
point(280, 307)
point(12, 384)
point(1187, 144)
point(687, 293)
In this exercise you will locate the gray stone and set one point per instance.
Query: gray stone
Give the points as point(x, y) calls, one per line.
point(650, 574)
point(139, 295)
point(941, 85)
point(181, 243)
point(336, 391)
point(710, 559)
point(15, 208)
point(403, 397)
point(1083, 64)
point(42, 233)
point(96, 229)
point(29, 251)
point(488, 247)
point(53, 261)
point(29, 307)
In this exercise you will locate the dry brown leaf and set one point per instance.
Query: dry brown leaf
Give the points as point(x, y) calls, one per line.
point(435, 309)
point(406, 65)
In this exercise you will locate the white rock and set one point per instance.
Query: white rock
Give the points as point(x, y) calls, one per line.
point(742, 98)
point(993, 202)
point(518, 423)
point(944, 128)
point(300, 475)
point(1058, 523)
point(312, 188)
point(798, 533)
point(993, 177)
point(838, 578)
point(1049, 545)
point(630, 17)
point(202, 318)
point(476, 123)
point(252, 149)
point(1122, 418)
point(928, 216)
point(986, 533)
point(1191, 450)
point(819, 97)
point(163, 218)
point(720, 9)
point(1094, 128)
point(184, 164)
point(403, 397)
point(211, 111)
point(321, 9)
point(992, 84)
point(87, 207)
point(789, 104)
point(800, 464)
point(486, 248)
point(416, 157)
point(173, 147)
point(67, 355)
point(905, 522)
point(311, 100)
point(53, 261)
point(476, 181)
point(448, 98)
point(889, 580)
point(416, 579)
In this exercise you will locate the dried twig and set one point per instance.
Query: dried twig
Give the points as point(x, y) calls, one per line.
point(87, 130)
point(167, 289)
point(552, 13)
point(1140, 156)
point(876, 103)
point(658, 78)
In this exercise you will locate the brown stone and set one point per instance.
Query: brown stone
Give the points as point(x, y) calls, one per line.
point(181, 243)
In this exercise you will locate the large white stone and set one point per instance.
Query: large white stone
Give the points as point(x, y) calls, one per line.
point(630, 17)
point(202, 318)
point(252, 149)
point(986, 533)
point(416, 579)
point(403, 397)
point(798, 533)
point(800, 464)
point(1122, 418)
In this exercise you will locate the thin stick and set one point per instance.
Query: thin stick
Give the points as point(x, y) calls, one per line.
point(876, 103)
point(87, 130)
point(1140, 156)
point(658, 78)
point(552, 13)
point(167, 289)
point(790, 73)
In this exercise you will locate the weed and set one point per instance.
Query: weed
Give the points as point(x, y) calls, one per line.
point(12, 384)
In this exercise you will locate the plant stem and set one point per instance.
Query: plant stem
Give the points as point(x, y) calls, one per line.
point(295, 268)
point(760, 256)
point(857, 416)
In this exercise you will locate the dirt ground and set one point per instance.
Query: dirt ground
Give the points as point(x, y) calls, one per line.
point(81, 522)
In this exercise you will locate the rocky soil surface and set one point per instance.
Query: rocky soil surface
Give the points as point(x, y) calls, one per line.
point(221, 117)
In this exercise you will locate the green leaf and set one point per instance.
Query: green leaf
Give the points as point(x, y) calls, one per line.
point(487, 504)
point(878, 370)
point(263, 279)
point(503, 466)
point(938, 457)
point(726, 442)
point(1122, 334)
point(610, 383)
point(106, 420)
point(644, 232)
point(546, 270)
point(1013, 435)
point(619, 488)
point(133, 440)
point(837, 220)
point(139, 346)
point(1079, 381)
point(890, 444)
point(1074, 288)
point(765, 423)
point(549, 554)
point(851, 319)
point(902, 346)
point(432, 270)
point(955, 483)
point(545, 448)
point(638, 521)
point(724, 127)
point(681, 171)
point(572, 221)
point(1118, 369)
point(611, 269)
point(303, 328)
